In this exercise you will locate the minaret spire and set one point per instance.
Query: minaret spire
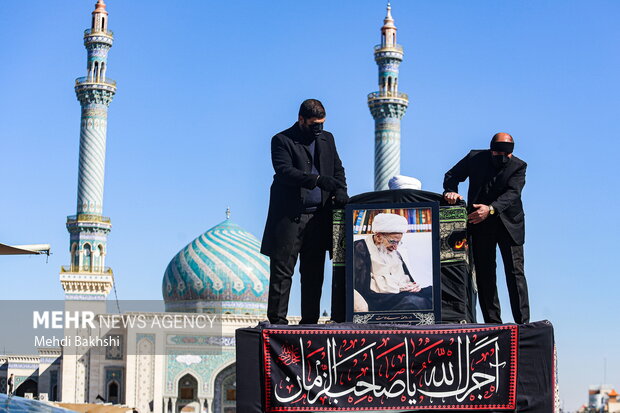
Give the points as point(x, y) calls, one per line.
point(388, 105)
point(87, 281)
point(100, 7)
point(99, 22)
point(389, 20)
point(87, 278)
point(388, 31)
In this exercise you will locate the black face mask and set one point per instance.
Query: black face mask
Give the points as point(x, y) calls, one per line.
point(316, 129)
point(500, 161)
point(506, 147)
point(312, 131)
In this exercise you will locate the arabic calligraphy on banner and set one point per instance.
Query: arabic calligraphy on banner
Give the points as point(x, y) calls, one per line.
point(353, 370)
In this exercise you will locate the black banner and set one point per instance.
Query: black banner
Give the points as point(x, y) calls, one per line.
point(355, 370)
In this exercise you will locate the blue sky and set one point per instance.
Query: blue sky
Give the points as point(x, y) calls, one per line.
point(203, 85)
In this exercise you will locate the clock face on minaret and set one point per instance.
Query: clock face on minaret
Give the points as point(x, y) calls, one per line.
point(87, 277)
point(387, 105)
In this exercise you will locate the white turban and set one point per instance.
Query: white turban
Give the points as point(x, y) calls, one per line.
point(404, 182)
point(389, 223)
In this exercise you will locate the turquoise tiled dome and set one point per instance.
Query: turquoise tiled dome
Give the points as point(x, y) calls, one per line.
point(221, 271)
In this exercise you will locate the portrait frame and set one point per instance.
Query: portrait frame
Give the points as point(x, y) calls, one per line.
point(363, 304)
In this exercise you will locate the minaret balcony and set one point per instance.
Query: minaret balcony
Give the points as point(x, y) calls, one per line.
point(91, 80)
point(394, 51)
point(375, 98)
point(87, 283)
point(105, 273)
point(384, 47)
point(86, 83)
point(98, 36)
point(89, 218)
point(89, 32)
point(77, 223)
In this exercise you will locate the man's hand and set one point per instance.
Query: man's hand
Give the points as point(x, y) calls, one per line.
point(411, 288)
point(340, 198)
point(452, 197)
point(480, 214)
point(328, 183)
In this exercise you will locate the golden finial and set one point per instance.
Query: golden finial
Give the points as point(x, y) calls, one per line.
point(389, 20)
point(100, 7)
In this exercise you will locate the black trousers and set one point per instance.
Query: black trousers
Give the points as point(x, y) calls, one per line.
point(485, 240)
point(339, 295)
point(309, 246)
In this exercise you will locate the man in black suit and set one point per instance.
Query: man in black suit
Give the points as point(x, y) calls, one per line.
point(309, 182)
point(496, 179)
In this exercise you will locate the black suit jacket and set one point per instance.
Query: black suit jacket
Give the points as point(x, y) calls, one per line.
point(490, 186)
point(292, 181)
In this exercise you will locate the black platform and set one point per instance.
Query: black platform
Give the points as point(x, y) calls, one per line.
point(354, 367)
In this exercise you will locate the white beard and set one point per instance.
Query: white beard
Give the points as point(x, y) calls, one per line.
point(387, 273)
point(388, 257)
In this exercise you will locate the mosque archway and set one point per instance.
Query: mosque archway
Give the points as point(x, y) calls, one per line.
point(225, 397)
point(87, 258)
point(113, 392)
point(28, 386)
point(187, 397)
point(101, 254)
point(75, 259)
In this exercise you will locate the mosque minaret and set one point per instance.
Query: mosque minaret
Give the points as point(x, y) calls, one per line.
point(388, 105)
point(87, 278)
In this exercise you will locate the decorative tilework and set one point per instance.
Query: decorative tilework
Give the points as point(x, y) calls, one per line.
point(24, 366)
point(150, 337)
point(18, 380)
point(190, 340)
point(220, 271)
point(223, 380)
point(204, 367)
point(145, 371)
point(115, 352)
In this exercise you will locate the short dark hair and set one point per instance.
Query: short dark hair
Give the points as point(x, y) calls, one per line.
point(312, 108)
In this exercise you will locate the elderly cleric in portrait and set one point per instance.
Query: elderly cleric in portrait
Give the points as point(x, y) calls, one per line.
point(384, 277)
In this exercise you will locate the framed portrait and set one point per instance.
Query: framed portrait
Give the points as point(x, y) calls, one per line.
point(392, 263)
